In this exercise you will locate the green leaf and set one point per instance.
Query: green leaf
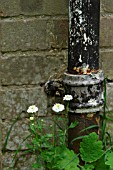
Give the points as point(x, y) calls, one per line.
point(89, 127)
point(69, 160)
point(32, 127)
point(109, 159)
point(77, 138)
point(73, 124)
point(35, 166)
point(109, 118)
point(89, 167)
point(48, 136)
point(100, 164)
point(91, 148)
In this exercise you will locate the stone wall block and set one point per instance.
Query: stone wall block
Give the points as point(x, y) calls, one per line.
point(108, 5)
point(106, 31)
point(30, 68)
point(24, 162)
point(110, 97)
point(18, 133)
point(15, 101)
point(21, 7)
point(25, 34)
point(59, 34)
point(106, 62)
point(0, 38)
point(34, 7)
point(0, 143)
point(53, 7)
point(9, 8)
point(110, 108)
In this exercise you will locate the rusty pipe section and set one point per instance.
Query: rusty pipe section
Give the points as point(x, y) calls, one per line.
point(88, 99)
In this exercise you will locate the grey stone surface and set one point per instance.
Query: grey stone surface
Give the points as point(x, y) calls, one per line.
point(0, 143)
point(18, 133)
point(109, 109)
point(110, 97)
point(15, 101)
point(34, 7)
point(53, 7)
point(31, 7)
point(10, 8)
point(106, 31)
point(23, 163)
point(106, 63)
point(108, 5)
point(33, 34)
point(59, 33)
point(30, 68)
point(24, 34)
point(21, 7)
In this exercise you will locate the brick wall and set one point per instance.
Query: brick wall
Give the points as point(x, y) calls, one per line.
point(106, 46)
point(33, 48)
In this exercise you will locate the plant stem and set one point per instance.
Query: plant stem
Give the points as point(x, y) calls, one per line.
point(54, 133)
point(104, 117)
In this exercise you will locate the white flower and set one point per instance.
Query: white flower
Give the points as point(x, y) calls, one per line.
point(92, 102)
point(58, 107)
point(68, 97)
point(32, 109)
point(31, 118)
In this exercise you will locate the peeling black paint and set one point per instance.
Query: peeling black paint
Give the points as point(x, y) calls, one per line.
point(84, 16)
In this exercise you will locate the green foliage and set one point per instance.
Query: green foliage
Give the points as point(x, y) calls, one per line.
point(91, 148)
point(69, 160)
point(109, 159)
point(88, 167)
point(100, 164)
point(73, 124)
point(89, 127)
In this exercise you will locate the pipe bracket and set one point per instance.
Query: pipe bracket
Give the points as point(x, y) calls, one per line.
point(87, 91)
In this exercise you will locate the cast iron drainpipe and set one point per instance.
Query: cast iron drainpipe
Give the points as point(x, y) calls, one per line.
point(83, 78)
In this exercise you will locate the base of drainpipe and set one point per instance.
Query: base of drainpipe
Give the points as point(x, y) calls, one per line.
point(88, 100)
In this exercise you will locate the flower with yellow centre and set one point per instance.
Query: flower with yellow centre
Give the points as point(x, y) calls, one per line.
point(32, 109)
point(58, 107)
